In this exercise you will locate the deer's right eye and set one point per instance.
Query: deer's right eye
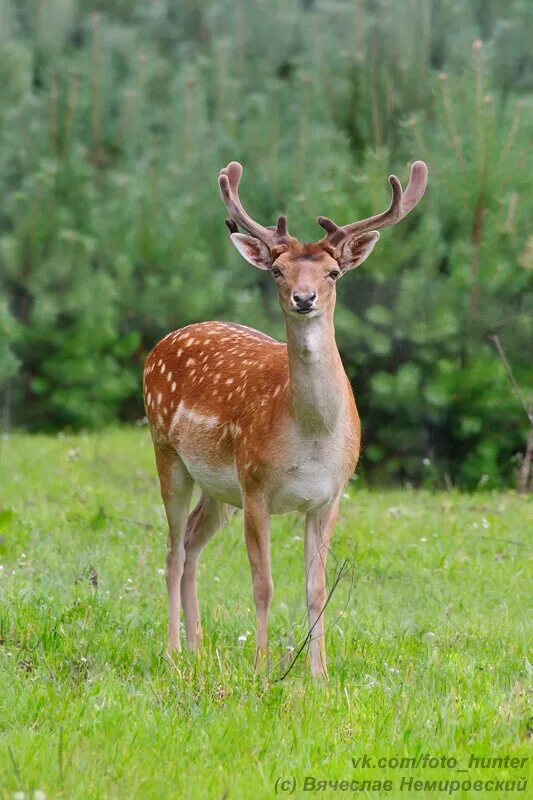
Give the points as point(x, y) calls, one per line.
point(276, 272)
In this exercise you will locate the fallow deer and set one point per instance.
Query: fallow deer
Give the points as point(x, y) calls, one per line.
point(258, 424)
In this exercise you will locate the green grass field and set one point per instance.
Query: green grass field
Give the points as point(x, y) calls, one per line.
point(427, 645)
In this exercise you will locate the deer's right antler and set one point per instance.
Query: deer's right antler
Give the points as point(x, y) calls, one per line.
point(229, 187)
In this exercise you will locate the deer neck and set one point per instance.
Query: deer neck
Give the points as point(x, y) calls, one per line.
point(317, 378)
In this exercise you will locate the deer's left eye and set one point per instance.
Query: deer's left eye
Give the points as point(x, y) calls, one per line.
point(334, 275)
point(276, 272)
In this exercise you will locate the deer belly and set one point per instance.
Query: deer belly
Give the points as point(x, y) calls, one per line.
point(220, 481)
point(204, 445)
point(304, 486)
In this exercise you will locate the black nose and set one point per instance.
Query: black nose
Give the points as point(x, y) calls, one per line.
point(304, 300)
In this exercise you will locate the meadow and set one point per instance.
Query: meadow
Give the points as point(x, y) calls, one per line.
point(427, 640)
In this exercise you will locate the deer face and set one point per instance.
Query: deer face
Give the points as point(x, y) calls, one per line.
point(305, 283)
point(305, 274)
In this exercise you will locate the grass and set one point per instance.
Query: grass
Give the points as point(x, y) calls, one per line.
point(428, 652)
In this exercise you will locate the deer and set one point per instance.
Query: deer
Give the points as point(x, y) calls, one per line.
point(261, 425)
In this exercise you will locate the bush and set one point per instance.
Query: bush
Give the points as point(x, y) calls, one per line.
point(116, 118)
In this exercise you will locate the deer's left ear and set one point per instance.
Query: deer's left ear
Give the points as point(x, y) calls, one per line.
point(253, 250)
point(356, 250)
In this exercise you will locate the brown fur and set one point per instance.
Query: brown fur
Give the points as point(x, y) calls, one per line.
point(218, 369)
point(233, 373)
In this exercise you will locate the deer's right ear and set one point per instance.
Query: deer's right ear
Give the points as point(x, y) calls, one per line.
point(253, 250)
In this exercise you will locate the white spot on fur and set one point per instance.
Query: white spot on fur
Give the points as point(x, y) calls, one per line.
point(190, 362)
point(173, 387)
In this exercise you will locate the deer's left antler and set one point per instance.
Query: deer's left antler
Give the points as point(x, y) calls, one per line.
point(401, 204)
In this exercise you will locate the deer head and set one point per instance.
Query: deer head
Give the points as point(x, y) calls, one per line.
point(306, 273)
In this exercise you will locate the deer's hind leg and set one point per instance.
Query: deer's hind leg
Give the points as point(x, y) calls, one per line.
point(176, 489)
point(204, 521)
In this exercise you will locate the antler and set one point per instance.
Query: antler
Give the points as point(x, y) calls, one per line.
point(401, 205)
point(229, 187)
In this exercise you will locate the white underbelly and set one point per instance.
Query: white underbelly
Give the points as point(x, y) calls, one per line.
point(303, 488)
point(221, 482)
point(311, 477)
point(300, 488)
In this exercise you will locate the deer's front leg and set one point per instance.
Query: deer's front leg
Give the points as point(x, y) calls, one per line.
point(257, 536)
point(319, 526)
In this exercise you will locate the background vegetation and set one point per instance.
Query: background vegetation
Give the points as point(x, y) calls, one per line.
point(115, 118)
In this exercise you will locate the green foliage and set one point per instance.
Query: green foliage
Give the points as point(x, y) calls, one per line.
point(115, 119)
point(8, 361)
